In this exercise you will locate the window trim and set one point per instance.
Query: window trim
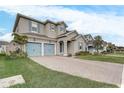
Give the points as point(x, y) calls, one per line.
point(80, 45)
point(52, 29)
point(35, 23)
point(61, 28)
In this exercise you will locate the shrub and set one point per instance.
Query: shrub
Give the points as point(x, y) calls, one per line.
point(82, 53)
point(19, 54)
point(104, 52)
point(96, 53)
point(2, 54)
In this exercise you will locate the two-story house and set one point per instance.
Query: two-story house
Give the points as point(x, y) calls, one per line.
point(48, 38)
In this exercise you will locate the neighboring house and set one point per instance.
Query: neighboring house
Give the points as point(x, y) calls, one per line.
point(90, 46)
point(48, 38)
point(89, 39)
point(119, 49)
point(3, 45)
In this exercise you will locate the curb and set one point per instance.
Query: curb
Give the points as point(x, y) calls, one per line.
point(122, 81)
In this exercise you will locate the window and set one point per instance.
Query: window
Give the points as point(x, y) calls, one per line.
point(52, 27)
point(80, 45)
point(34, 27)
point(61, 28)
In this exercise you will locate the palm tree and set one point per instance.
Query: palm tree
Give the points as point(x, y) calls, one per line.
point(98, 43)
point(20, 39)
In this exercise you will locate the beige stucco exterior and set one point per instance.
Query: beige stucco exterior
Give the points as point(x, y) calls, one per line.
point(23, 26)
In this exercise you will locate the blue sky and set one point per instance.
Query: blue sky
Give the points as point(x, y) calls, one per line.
point(107, 21)
point(7, 21)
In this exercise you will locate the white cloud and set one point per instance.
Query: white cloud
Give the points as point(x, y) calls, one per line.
point(6, 37)
point(2, 30)
point(81, 21)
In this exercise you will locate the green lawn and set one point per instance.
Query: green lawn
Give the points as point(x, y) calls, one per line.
point(106, 58)
point(37, 76)
point(115, 55)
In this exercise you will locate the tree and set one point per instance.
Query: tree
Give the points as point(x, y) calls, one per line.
point(20, 39)
point(110, 47)
point(98, 43)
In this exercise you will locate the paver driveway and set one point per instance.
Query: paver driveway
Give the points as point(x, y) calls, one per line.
point(99, 71)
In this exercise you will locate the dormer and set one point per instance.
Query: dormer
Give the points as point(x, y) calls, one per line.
point(53, 29)
point(61, 27)
point(50, 29)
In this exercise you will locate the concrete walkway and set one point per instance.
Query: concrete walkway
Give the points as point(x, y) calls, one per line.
point(99, 71)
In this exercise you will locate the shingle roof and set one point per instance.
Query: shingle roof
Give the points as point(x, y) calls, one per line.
point(67, 33)
point(35, 35)
point(86, 37)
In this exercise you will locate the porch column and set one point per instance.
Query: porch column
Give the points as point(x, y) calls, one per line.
point(42, 46)
point(24, 48)
point(65, 48)
point(57, 48)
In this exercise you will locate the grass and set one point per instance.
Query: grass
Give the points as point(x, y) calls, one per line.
point(37, 76)
point(116, 55)
point(105, 58)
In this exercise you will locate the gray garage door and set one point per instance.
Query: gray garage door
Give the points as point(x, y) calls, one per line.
point(34, 49)
point(49, 49)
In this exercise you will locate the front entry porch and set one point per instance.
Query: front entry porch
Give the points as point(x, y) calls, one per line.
point(64, 48)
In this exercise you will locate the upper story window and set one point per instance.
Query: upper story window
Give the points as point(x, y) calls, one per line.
point(80, 45)
point(61, 28)
point(52, 27)
point(34, 26)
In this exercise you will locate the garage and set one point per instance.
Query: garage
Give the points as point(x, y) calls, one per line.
point(49, 49)
point(34, 49)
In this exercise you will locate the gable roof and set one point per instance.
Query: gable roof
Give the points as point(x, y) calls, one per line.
point(32, 19)
point(78, 36)
point(67, 33)
point(88, 35)
point(55, 23)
